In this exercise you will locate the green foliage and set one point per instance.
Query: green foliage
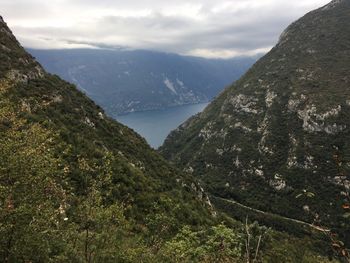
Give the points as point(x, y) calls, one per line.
point(271, 134)
point(283, 248)
point(29, 195)
point(76, 186)
point(256, 239)
point(217, 244)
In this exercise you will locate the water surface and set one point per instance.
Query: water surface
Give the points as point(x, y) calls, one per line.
point(154, 126)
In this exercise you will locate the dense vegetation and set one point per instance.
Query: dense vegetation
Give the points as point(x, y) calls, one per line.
point(270, 141)
point(76, 186)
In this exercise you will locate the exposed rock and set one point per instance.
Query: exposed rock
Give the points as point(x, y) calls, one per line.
point(278, 183)
point(292, 159)
point(289, 116)
point(341, 181)
point(313, 122)
point(220, 151)
point(4, 48)
point(26, 106)
point(57, 99)
point(306, 208)
point(101, 115)
point(293, 104)
point(189, 170)
point(243, 103)
point(89, 122)
point(259, 172)
point(237, 163)
point(241, 126)
point(270, 96)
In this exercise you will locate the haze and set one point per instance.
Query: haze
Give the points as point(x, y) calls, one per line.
point(193, 27)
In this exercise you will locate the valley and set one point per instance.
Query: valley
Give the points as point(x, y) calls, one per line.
point(155, 125)
point(254, 168)
point(125, 81)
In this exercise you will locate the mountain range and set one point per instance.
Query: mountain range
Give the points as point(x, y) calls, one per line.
point(260, 176)
point(75, 185)
point(123, 81)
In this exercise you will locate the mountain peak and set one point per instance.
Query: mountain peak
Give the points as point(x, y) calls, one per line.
point(15, 63)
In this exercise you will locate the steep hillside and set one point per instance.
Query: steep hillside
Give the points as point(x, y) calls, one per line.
point(278, 139)
point(124, 81)
point(74, 184)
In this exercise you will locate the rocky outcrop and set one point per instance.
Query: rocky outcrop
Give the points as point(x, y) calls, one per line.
point(288, 116)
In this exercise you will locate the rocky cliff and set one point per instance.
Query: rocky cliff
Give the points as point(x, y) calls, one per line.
point(278, 138)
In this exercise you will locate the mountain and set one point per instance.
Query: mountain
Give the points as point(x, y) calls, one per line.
point(74, 184)
point(277, 140)
point(123, 81)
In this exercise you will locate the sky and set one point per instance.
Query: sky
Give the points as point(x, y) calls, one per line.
point(206, 28)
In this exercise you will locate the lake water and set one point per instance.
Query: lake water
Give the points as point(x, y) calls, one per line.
point(155, 126)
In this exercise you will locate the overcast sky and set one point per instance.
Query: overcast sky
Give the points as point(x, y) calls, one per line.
point(208, 28)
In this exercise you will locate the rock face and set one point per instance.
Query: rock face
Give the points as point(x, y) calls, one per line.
point(283, 128)
point(124, 81)
point(16, 63)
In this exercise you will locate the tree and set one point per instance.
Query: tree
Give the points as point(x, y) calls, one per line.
point(217, 244)
point(30, 196)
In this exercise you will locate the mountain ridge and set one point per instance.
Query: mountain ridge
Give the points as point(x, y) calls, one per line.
point(76, 186)
point(123, 81)
point(274, 134)
point(70, 175)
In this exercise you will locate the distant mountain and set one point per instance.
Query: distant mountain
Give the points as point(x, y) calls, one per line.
point(278, 139)
point(77, 186)
point(69, 173)
point(124, 81)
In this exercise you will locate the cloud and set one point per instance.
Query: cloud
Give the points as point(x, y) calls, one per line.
point(207, 28)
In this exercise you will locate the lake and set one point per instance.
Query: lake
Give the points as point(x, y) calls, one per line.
point(155, 125)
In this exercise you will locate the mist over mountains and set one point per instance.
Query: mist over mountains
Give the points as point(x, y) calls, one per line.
point(123, 81)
